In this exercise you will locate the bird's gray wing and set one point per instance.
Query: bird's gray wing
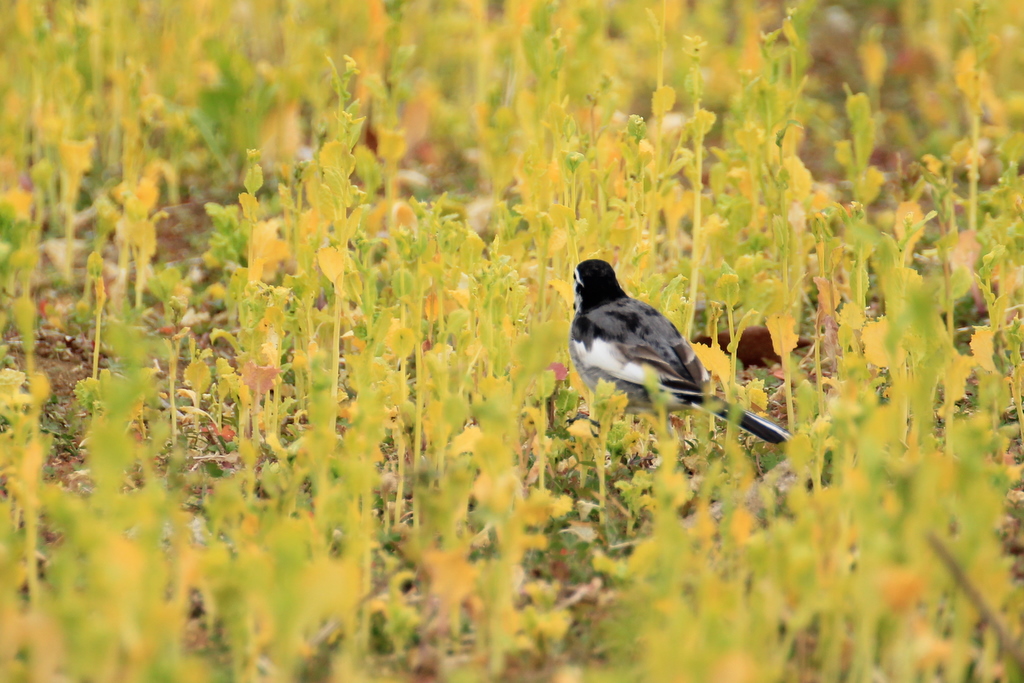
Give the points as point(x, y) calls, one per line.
point(651, 329)
point(645, 356)
point(698, 373)
point(680, 386)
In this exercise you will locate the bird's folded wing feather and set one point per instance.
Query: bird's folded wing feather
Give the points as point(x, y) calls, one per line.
point(682, 387)
point(687, 356)
point(646, 356)
point(630, 362)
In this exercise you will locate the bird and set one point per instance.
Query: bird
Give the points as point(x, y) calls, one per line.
point(619, 339)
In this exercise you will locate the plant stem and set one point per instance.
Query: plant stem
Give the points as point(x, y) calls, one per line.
point(96, 339)
point(69, 230)
point(172, 377)
point(335, 359)
point(972, 176)
point(698, 242)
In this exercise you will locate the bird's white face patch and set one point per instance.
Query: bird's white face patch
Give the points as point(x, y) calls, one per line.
point(605, 357)
point(578, 289)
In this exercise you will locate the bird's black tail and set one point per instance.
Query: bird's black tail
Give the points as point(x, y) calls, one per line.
point(761, 427)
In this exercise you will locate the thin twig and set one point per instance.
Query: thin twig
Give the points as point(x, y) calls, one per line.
point(1006, 640)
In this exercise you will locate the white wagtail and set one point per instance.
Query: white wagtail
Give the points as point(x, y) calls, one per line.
point(620, 339)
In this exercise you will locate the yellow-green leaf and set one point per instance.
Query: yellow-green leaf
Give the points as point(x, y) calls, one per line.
point(784, 339)
point(982, 347)
point(332, 263)
point(714, 359)
point(663, 100)
point(873, 335)
point(197, 375)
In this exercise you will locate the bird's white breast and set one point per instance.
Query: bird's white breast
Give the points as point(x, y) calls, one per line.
point(606, 357)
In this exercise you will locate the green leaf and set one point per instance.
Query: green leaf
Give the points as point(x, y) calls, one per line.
point(254, 174)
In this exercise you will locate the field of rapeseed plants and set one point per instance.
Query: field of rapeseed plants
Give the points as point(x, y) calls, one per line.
point(285, 288)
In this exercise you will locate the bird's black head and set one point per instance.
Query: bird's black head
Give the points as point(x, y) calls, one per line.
point(595, 285)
